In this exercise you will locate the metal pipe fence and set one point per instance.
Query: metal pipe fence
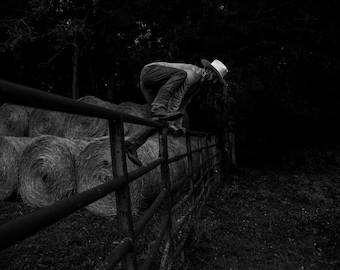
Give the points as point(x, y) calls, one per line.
point(200, 180)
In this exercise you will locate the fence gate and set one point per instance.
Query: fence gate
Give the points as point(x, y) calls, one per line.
point(206, 158)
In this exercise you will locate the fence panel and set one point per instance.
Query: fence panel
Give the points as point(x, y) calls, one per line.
point(211, 168)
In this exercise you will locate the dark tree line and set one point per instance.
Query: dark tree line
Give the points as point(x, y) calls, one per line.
point(283, 57)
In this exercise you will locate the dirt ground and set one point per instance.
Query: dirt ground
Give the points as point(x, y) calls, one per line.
point(271, 219)
point(257, 218)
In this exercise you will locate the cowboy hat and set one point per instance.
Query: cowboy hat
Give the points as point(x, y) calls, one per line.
point(217, 66)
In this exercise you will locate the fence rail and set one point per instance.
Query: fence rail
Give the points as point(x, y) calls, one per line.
point(201, 180)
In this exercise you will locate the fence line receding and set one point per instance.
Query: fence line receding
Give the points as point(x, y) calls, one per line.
point(200, 179)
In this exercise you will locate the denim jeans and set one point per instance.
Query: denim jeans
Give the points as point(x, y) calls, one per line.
point(158, 83)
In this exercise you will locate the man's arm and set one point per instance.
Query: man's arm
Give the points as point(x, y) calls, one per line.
point(179, 95)
point(187, 98)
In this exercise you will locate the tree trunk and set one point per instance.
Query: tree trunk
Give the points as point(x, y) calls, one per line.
point(75, 83)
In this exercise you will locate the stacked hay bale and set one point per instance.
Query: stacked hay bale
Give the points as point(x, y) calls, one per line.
point(13, 120)
point(153, 180)
point(46, 122)
point(47, 169)
point(94, 167)
point(11, 149)
point(78, 126)
point(68, 153)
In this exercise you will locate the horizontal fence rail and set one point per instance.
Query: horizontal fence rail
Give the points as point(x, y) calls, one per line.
point(214, 156)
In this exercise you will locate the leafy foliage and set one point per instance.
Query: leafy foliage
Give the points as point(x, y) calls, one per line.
point(282, 56)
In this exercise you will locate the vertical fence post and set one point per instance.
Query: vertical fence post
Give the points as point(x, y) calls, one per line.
point(208, 164)
point(232, 147)
point(123, 202)
point(167, 258)
point(223, 153)
point(216, 159)
point(201, 158)
point(190, 172)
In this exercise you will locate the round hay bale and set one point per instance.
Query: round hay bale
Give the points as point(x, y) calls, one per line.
point(94, 167)
point(111, 105)
point(142, 111)
point(29, 111)
point(13, 120)
point(78, 126)
point(47, 170)
point(149, 152)
point(11, 149)
point(46, 122)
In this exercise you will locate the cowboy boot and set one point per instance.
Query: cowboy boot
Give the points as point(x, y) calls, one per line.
point(158, 112)
point(131, 151)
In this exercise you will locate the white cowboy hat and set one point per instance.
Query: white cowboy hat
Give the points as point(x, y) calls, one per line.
point(216, 65)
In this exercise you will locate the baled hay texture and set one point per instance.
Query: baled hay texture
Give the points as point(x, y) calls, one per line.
point(46, 122)
point(47, 170)
point(78, 126)
point(111, 105)
point(94, 168)
point(13, 120)
point(142, 111)
point(29, 111)
point(148, 152)
point(11, 149)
